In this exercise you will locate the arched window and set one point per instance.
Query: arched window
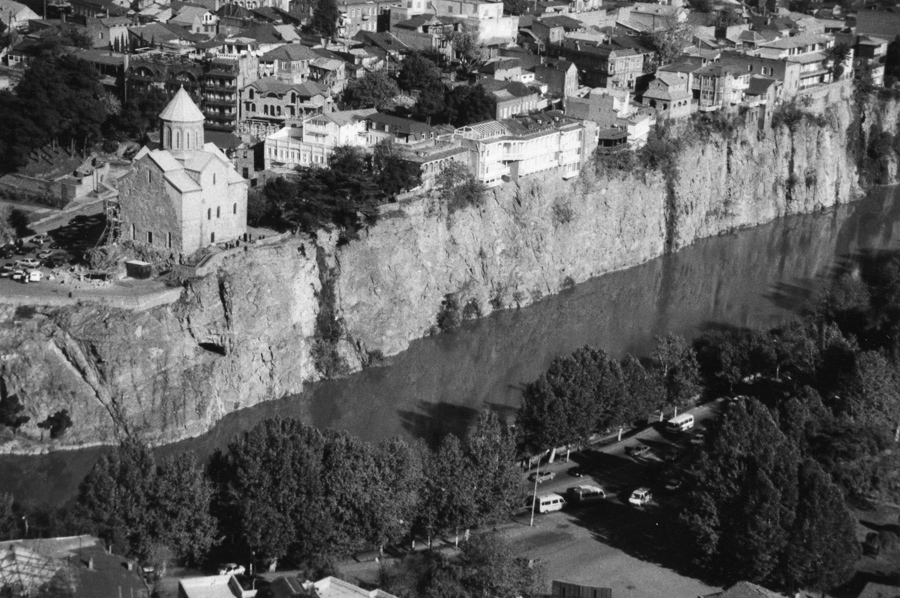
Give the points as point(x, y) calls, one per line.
point(209, 214)
point(168, 141)
point(177, 139)
point(218, 212)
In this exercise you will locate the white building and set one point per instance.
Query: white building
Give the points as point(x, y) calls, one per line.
point(313, 143)
point(506, 150)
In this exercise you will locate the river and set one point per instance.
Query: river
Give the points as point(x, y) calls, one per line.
point(756, 278)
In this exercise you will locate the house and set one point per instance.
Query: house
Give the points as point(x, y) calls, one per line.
point(715, 87)
point(744, 589)
point(434, 159)
point(501, 69)
point(869, 55)
point(404, 131)
point(15, 15)
point(196, 19)
point(603, 65)
point(289, 63)
point(561, 77)
point(810, 51)
point(553, 29)
point(619, 123)
point(186, 195)
point(787, 73)
point(670, 94)
point(268, 105)
point(108, 33)
point(97, 8)
point(329, 587)
point(363, 15)
point(214, 586)
point(511, 97)
point(483, 17)
point(313, 143)
point(329, 71)
point(426, 33)
point(507, 149)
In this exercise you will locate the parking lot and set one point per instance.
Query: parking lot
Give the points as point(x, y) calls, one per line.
point(650, 458)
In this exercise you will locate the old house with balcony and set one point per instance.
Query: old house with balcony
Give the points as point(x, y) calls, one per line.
point(401, 131)
point(426, 33)
point(869, 56)
point(363, 15)
point(553, 29)
point(268, 105)
point(506, 150)
point(670, 94)
point(561, 77)
point(511, 98)
point(289, 63)
point(314, 142)
point(484, 18)
point(809, 50)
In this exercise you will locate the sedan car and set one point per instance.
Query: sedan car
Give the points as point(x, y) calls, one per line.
point(28, 262)
point(640, 497)
point(673, 485)
point(42, 255)
point(6, 271)
point(641, 450)
point(542, 477)
point(577, 472)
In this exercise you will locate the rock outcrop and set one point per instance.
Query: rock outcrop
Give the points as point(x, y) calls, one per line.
point(247, 332)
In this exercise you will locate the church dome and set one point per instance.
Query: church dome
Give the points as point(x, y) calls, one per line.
point(182, 109)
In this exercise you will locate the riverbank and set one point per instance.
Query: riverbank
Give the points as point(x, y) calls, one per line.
point(251, 330)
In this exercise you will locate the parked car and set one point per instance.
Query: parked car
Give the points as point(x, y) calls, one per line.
point(28, 262)
point(641, 450)
point(542, 477)
point(674, 455)
point(39, 240)
point(42, 255)
point(640, 497)
point(231, 569)
point(673, 485)
point(577, 472)
point(698, 438)
point(18, 276)
point(6, 271)
point(35, 276)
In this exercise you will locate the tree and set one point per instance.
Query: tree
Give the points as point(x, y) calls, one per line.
point(9, 520)
point(271, 490)
point(515, 7)
point(393, 174)
point(398, 479)
point(459, 188)
point(57, 423)
point(491, 450)
point(180, 509)
point(116, 496)
point(822, 549)
point(418, 72)
point(139, 114)
point(678, 369)
point(727, 17)
point(837, 56)
point(374, 90)
point(467, 50)
point(467, 104)
point(670, 39)
point(448, 501)
point(325, 18)
point(11, 412)
point(643, 391)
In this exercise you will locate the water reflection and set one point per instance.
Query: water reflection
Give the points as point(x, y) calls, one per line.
point(756, 278)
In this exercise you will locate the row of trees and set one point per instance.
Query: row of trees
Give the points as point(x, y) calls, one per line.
point(590, 391)
point(285, 490)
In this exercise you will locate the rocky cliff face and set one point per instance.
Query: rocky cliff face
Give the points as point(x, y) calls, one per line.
point(247, 332)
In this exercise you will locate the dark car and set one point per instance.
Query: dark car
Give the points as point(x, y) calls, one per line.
point(577, 472)
point(642, 450)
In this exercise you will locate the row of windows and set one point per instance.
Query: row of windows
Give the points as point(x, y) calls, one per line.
point(219, 212)
point(149, 237)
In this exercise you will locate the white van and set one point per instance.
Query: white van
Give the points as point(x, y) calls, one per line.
point(550, 502)
point(584, 494)
point(682, 423)
point(35, 276)
point(640, 497)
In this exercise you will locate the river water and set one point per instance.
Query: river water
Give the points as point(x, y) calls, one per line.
point(756, 278)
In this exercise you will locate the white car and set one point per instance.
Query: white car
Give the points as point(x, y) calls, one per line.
point(35, 276)
point(640, 497)
point(28, 262)
point(40, 239)
point(18, 275)
point(232, 569)
point(42, 255)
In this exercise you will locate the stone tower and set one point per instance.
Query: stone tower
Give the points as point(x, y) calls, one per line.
point(181, 124)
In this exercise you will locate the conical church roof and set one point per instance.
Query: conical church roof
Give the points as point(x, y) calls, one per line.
point(182, 109)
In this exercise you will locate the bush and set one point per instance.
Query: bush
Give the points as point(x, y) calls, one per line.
point(472, 310)
point(449, 317)
point(563, 213)
point(459, 188)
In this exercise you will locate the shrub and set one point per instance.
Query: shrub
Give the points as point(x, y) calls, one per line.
point(563, 213)
point(449, 317)
point(459, 188)
point(472, 310)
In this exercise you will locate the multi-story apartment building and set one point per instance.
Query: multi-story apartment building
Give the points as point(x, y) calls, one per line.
point(221, 86)
point(513, 148)
point(602, 65)
point(869, 54)
point(313, 143)
point(363, 15)
point(485, 19)
point(268, 105)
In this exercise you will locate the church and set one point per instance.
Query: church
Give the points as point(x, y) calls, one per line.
point(186, 195)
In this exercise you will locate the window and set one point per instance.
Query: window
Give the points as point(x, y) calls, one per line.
point(212, 237)
point(234, 209)
point(150, 237)
point(214, 178)
point(169, 240)
point(149, 176)
point(133, 232)
point(218, 212)
point(209, 214)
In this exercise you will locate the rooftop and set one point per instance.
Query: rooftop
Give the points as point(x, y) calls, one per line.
point(182, 109)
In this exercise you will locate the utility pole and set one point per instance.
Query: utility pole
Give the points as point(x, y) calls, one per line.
point(537, 474)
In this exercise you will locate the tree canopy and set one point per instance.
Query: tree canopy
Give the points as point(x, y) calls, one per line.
point(325, 18)
point(374, 90)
